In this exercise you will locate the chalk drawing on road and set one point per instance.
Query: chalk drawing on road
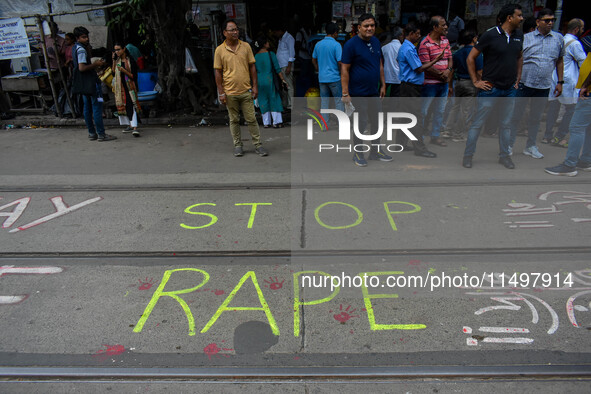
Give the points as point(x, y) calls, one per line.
point(513, 302)
point(21, 204)
point(560, 199)
point(571, 307)
point(12, 270)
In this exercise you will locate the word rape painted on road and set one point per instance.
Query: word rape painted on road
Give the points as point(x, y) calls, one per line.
point(263, 306)
point(496, 308)
point(388, 206)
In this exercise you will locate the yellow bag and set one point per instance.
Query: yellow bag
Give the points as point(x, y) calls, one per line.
point(107, 77)
point(313, 98)
point(584, 71)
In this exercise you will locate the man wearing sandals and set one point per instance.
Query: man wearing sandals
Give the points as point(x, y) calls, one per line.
point(234, 68)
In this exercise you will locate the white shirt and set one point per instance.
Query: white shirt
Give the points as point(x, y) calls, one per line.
point(391, 67)
point(286, 50)
point(574, 56)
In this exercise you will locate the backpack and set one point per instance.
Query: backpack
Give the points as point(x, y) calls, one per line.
point(83, 83)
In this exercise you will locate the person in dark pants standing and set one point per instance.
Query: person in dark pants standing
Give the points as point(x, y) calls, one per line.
point(363, 66)
point(93, 102)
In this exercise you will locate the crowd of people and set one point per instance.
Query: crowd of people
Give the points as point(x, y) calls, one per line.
point(481, 82)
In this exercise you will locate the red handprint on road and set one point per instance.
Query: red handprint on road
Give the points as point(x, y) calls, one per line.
point(274, 283)
point(345, 315)
point(146, 284)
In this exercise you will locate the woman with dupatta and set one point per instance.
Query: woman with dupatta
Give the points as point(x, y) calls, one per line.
point(125, 89)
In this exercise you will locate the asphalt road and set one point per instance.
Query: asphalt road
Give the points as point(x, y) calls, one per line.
point(165, 254)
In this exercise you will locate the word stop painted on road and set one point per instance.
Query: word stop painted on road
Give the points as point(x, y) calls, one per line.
point(390, 208)
point(263, 306)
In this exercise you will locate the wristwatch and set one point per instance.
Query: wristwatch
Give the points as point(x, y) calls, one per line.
point(345, 94)
point(560, 82)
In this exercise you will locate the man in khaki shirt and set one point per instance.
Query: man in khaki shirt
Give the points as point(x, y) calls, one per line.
point(234, 70)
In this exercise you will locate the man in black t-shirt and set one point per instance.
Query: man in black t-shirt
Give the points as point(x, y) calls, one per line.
point(501, 46)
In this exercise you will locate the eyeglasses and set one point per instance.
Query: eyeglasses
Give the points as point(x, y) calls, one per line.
point(231, 30)
point(548, 20)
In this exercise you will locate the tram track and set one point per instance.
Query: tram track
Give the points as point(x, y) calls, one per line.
point(347, 374)
point(281, 186)
point(303, 253)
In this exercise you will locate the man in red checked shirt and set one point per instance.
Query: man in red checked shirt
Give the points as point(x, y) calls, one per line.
point(435, 87)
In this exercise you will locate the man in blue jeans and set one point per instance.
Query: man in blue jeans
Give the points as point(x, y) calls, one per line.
point(501, 47)
point(327, 62)
point(93, 103)
point(437, 76)
point(580, 135)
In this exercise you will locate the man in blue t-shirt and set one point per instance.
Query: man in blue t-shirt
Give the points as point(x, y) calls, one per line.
point(327, 61)
point(362, 77)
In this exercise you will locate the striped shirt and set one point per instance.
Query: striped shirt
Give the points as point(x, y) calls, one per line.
point(429, 50)
point(540, 54)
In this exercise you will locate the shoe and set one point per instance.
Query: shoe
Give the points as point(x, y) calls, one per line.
point(507, 162)
point(561, 169)
point(458, 138)
point(560, 143)
point(510, 150)
point(380, 156)
point(467, 161)
point(438, 141)
point(533, 152)
point(425, 153)
point(446, 134)
point(106, 137)
point(128, 129)
point(266, 126)
point(238, 151)
point(583, 165)
point(546, 140)
point(359, 160)
point(135, 133)
point(261, 151)
point(278, 126)
point(93, 137)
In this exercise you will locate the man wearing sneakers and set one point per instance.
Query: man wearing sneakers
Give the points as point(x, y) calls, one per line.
point(362, 65)
point(580, 133)
point(87, 81)
point(234, 70)
point(501, 46)
point(543, 51)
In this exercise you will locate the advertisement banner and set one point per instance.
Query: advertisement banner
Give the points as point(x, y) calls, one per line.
point(13, 39)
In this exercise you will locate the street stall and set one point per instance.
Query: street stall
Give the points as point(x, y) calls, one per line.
point(28, 88)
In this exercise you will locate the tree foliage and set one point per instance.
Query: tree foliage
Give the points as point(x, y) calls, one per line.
point(166, 22)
